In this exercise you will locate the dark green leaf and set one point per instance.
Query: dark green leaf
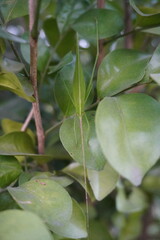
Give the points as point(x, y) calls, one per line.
point(86, 23)
point(129, 133)
point(10, 169)
point(46, 198)
point(119, 70)
point(7, 202)
point(76, 227)
point(63, 89)
point(70, 135)
point(22, 225)
point(51, 30)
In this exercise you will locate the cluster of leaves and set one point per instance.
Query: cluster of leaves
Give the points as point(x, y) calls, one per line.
point(108, 138)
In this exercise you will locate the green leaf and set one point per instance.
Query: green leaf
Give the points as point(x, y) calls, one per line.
point(86, 23)
point(70, 135)
point(46, 198)
point(129, 133)
point(148, 17)
point(154, 66)
point(76, 171)
point(17, 8)
point(98, 230)
point(16, 143)
point(79, 88)
point(9, 126)
point(43, 54)
point(10, 82)
point(66, 60)
point(135, 202)
point(76, 227)
point(51, 30)
point(7, 202)
point(22, 225)
point(10, 169)
point(63, 89)
point(119, 70)
point(103, 182)
point(6, 35)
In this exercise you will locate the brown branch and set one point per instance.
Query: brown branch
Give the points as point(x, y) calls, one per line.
point(27, 121)
point(100, 4)
point(33, 25)
point(128, 24)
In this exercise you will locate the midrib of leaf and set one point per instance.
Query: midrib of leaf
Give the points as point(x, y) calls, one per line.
point(85, 173)
point(10, 12)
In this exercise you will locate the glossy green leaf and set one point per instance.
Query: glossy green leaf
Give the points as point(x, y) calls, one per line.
point(135, 202)
point(6, 35)
point(148, 17)
point(70, 135)
point(76, 227)
point(10, 82)
point(68, 12)
point(10, 169)
point(9, 126)
point(63, 89)
point(76, 171)
point(129, 133)
point(119, 70)
point(11, 65)
point(22, 225)
point(17, 8)
point(79, 88)
point(102, 182)
point(16, 143)
point(86, 23)
point(46, 198)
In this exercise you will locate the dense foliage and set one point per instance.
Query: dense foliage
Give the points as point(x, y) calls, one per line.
point(96, 82)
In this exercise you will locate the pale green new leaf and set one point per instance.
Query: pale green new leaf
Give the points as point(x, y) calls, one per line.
point(120, 70)
point(46, 198)
point(76, 227)
point(128, 130)
point(10, 82)
point(22, 225)
point(103, 182)
point(79, 87)
point(10, 169)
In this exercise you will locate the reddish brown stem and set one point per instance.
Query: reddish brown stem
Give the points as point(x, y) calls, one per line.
point(33, 5)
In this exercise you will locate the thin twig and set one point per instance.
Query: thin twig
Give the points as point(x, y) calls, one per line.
point(53, 127)
point(33, 26)
point(27, 121)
